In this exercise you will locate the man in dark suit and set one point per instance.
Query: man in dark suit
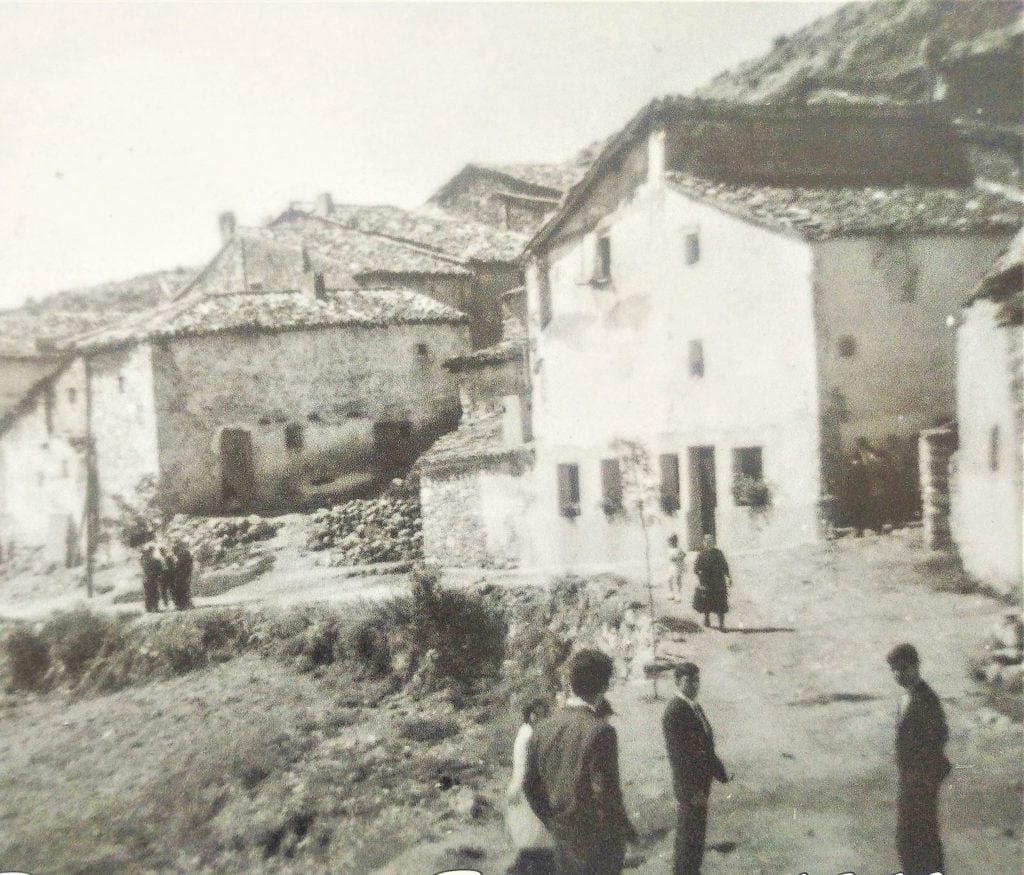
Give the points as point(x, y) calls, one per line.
point(572, 775)
point(691, 755)
point(921, 735)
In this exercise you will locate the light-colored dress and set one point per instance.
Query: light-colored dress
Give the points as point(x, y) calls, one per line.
point(524, 827)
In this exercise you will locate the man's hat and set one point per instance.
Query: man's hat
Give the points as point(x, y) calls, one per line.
point(686, 670)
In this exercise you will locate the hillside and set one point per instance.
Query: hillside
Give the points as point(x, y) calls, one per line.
point(65, 314)
point(866, 51)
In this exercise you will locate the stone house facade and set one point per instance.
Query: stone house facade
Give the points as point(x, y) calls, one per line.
point(722, 307)
point(230, 403)
point(986, 488)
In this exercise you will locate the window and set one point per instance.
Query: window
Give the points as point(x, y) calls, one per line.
point(72, 395)
point(569, 490)
point(668, 466)
point(611, 486)
point(120, 383)
point(847, 346)
point(993, 449)
point(696, 358)
point(603, 264)
point(294, 436)
point(422, 351)
point(748, 477)
point(691, 247)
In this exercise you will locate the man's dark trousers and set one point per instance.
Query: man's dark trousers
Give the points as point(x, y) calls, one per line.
point(691, 827)
point(917, 826)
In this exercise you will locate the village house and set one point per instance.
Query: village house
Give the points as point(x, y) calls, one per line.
point(986, 489)
point(256, 401)
point(726, 304)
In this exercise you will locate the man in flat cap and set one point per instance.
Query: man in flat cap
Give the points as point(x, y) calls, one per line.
point(921, 735)
point(691, 755)
point(572, 775)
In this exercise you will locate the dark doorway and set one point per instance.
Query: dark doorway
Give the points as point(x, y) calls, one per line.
point(393, 448)
point(238, 478)
point(703, 500)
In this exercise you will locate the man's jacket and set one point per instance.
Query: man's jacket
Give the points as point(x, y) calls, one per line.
point(691, 751)
point(572, 779)
point(921, 735)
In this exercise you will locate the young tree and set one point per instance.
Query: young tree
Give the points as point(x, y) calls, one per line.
point(639, 502)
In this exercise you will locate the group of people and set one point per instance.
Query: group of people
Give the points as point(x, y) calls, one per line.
point(711, 595)
point(166, 574)
point(566, 814)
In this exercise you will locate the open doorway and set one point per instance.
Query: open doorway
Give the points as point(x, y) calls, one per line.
point(703, 498)
point(237, 471)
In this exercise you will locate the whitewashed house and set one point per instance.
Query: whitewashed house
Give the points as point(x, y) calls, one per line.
point(987, 496)
point(741, 293)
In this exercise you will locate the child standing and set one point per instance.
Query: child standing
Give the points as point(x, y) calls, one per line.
point(677, 565)
point(529, 836)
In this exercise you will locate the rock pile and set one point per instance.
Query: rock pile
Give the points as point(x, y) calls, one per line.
point(217, 542)
point(365, 531)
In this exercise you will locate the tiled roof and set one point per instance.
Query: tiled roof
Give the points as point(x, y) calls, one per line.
point(836, 212)
point(278, 311)
point(475, 437)
point(35, 329)
point(504, 351)
point(456, 237)
point(557, 177)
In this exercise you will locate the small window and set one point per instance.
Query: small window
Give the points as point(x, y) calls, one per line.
point(294, 436)
point(422, 351)
point(603, 267)
point(847, 346)
point(747, 475)
point(696, 358)
point(72, 395)
point(611, 486)
point(668, 466)
point(691, 247)
point(569, 490)
point(993, 449)
point(120, 383)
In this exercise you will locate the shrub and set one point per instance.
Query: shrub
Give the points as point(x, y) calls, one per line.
point(466, 635)
point(178, 646)
point(429, 729)
point(28, 658)
point(77, 636)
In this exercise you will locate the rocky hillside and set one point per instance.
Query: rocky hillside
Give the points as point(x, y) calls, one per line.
point(878, 52)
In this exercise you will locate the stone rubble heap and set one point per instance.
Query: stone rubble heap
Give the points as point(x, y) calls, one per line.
point(216, 542)
point(366, 531)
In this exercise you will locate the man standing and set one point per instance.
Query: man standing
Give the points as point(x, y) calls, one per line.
point(691, 755)
point(921, 735)
point(572, 776)
point(712, 579)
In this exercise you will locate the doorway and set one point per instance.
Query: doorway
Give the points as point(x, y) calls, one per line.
point(703, 497)
point(237, 472)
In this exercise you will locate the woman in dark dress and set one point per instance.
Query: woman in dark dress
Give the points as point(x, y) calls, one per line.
point(711, 595)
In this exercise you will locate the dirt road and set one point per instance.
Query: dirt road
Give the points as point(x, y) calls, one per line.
point(803, 707)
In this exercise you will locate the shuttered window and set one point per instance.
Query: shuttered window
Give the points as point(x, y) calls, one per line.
point(611, 486)
point(569, 489)
point(668, 466)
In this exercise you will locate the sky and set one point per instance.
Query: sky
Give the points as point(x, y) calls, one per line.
point(125, 130)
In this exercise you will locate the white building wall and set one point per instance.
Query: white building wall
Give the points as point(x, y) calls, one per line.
point(613, 363)
point(42, 469)
point(987, 510)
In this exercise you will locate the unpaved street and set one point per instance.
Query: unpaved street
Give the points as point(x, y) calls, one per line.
point(803, 706)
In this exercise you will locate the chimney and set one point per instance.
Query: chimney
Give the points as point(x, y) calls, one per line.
point(313, 286)
point(324, 204)
point(226, 221)
point(656, 157)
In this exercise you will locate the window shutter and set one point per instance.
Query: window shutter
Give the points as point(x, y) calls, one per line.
point(668, 464)
point(611, 485)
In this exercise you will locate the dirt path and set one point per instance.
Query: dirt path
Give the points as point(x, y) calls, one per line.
point(804, 707)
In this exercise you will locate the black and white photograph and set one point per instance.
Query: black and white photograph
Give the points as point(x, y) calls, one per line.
point(512, 438)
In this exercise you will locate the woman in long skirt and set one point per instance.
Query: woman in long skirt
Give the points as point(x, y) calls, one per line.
point(713, 578)
point(529, 836)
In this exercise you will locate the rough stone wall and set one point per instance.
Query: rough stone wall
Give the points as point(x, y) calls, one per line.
point(474, 516)
point(936, 447)
point(332, 383)
point(476, 196)
point(484, 306)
